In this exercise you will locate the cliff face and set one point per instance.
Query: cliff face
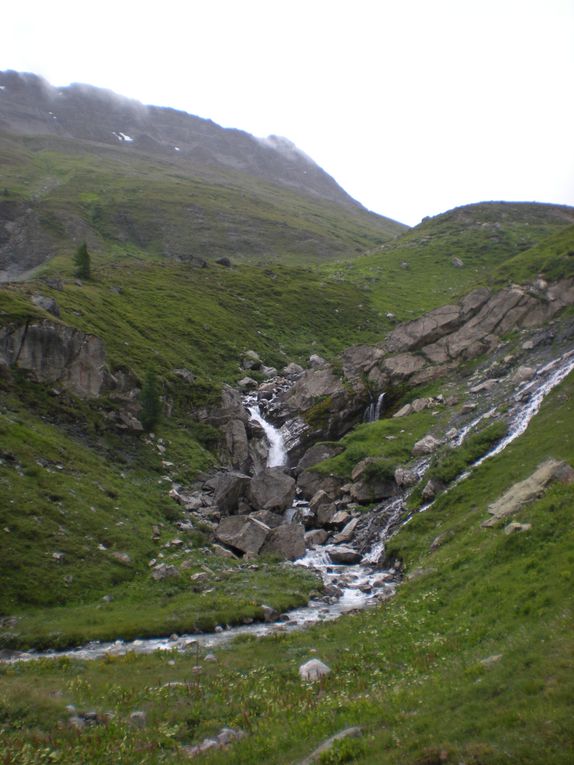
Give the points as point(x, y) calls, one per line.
point(53, 352)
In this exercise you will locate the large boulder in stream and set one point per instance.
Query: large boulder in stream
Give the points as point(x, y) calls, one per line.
point(243, 533)
point(271, 489)
point(229, 489)
point(287, 541)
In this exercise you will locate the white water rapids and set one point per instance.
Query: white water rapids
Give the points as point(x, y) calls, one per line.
point(355, 586)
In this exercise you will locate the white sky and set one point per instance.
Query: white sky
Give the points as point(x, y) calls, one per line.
point(414, 106)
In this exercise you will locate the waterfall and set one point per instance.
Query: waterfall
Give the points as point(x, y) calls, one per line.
point(277, 456)
point(373, 411)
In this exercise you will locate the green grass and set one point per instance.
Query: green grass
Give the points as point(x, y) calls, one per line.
point(391, 441)
point(411, 671)
point(494, 241)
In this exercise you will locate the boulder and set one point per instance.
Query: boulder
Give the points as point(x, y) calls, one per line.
point(271, 489)
point(268, 518)
point(405, 477)
point(344, 555)
point(316, 361)
point(47, 304)
point(251, 360)
point(431, 489)
point(292, 370)
point(248, 383)
point(347, 533)
point(512, 527)
point(229, 489)
point(310, 483)
point(404, 411)
point(243, 533)
point(524, 492)
point(319, 499)
point(313, 670)
point(53, 352)
point(522, 374)
point(426, 445)
point(457, 262)
point(224, 261)
point(287, 541)
point(317, 453)
point(366, 491)
point(316, 537)
point(403, 366)
point(236, 444)
point(326, 513)
point(185, 374)
point(164, 571)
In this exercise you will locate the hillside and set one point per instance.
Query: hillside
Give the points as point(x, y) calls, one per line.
point(356, 421)
point(181, 187)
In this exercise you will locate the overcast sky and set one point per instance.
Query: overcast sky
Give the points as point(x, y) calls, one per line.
point(414, 106)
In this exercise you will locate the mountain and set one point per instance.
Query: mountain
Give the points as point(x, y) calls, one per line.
point(419, 383)
point(83, 163)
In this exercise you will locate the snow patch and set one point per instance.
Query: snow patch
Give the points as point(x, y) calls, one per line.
point(2, 87)
point(176, 148)
point(126, 138)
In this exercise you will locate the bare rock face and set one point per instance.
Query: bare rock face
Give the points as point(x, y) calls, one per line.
point(524, 492)
point(56, 353)
point(317, 453)
point(271, 489)
point(229, 489)
point(430, 327)
point(242, 533)
point(236, 444)
point(287, 541)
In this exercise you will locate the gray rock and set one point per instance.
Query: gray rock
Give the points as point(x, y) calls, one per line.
point(138, 719)
point(313, 670)
point(251, 360)
point(522, 374)
point(271, 489)
point(315, 454)
point(316, 537)
point(56, 353)
point(344, 555)
point(405, 477)
point(229, 489)
point(164, 571)
point(512, 527)
point(47, 304)
point(431, 489)
point(426, 445)
point(268, 517)
point(316, 361)
point(286, 541)
point(184, 374)
point(242, 533)
point(347, 533)
point(457, 262)
point(524, 492)
point(292, 370)
point(248, 383)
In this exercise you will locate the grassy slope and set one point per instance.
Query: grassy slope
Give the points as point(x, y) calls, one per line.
point(410, 671)
point(489, 239)
point(176, 209)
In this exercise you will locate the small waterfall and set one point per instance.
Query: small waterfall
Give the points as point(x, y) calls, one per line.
point(373, 411)
point(277, 456)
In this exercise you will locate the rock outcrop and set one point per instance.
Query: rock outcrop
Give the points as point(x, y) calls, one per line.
point(56, 353)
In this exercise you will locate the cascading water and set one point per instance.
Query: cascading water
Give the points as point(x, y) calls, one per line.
point(277, 456)
point(357, 585)
point(373, 411)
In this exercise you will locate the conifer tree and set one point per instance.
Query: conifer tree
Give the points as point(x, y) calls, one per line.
point(150, 402)
point(82, 262)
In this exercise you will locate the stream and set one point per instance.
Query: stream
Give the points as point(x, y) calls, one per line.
point(348, 587)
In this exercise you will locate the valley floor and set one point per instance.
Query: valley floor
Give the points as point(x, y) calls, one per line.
point(471, 661)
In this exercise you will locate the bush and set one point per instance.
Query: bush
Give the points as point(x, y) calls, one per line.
point(150, 402)
point(82, 262)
